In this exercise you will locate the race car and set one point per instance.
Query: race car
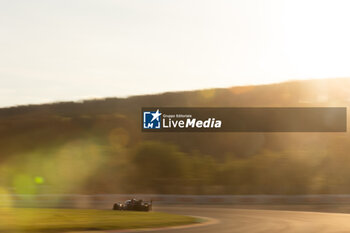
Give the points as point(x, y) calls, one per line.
point(133, 204)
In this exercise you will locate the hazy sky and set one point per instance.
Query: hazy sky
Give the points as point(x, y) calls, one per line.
point(77, 49)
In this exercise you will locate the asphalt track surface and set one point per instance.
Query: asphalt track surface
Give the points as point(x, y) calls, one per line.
point(269, 221)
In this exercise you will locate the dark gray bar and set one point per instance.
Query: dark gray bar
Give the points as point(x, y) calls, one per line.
point(318, 119)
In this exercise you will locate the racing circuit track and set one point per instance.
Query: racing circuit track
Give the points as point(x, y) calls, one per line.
point(251, 221)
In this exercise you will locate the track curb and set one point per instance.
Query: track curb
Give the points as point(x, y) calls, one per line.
point(203, 221)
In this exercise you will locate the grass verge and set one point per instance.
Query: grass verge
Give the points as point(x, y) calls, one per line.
point(64, 220)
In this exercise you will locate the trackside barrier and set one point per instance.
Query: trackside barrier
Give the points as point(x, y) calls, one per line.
point(106, 200)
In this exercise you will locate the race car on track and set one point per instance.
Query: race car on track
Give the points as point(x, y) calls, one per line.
point(133, 204)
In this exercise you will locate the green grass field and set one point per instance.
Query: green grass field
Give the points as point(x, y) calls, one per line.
point(67, 220)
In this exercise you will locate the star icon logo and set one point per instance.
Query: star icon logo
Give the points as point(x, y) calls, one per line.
point(156, 115)
point(151, 119)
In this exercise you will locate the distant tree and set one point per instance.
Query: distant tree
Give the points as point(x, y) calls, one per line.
point(158, 167)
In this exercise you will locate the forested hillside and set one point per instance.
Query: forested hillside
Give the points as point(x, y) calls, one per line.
point(96, 146)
